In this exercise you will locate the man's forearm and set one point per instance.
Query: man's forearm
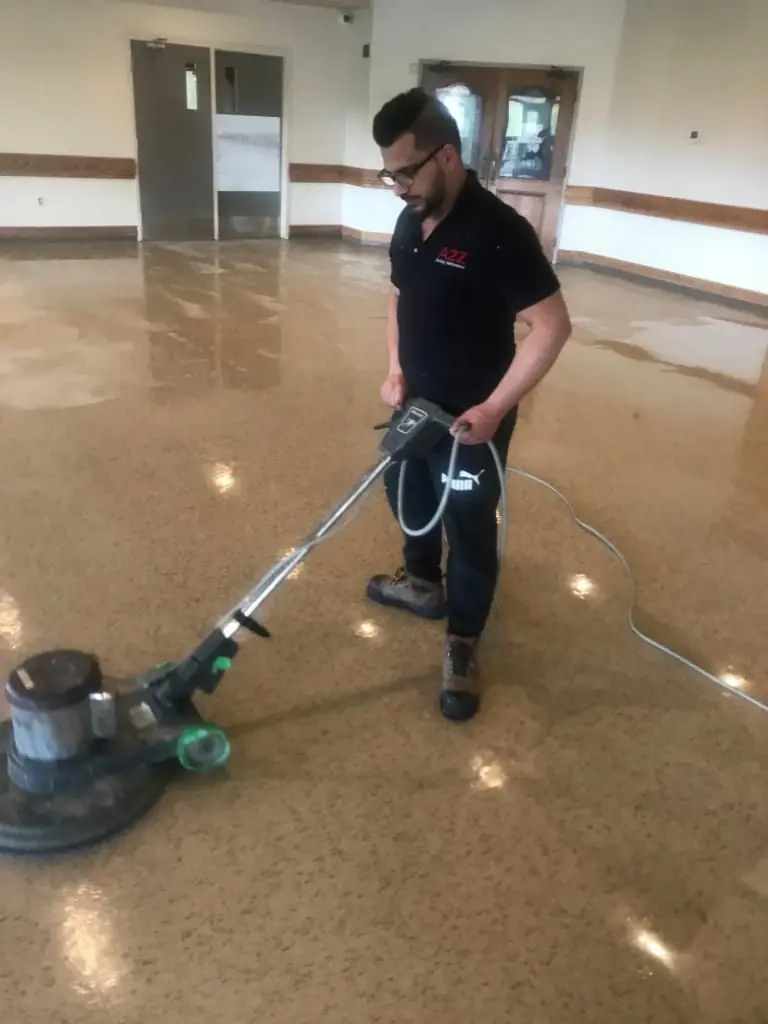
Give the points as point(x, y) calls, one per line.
point(393, 334)
point(533, 361)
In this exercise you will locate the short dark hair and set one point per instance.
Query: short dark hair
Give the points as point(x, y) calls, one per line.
point(418, 112)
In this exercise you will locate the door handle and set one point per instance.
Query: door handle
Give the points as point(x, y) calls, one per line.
point(488, 167)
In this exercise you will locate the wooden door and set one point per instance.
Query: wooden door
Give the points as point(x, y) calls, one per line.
point(515, 126)
point(529, 152)
point(471, 94)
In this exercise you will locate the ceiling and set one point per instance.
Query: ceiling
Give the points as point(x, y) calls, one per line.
point(339, 5)
point(240, 6)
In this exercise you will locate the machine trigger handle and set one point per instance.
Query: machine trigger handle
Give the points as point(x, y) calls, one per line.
point(249, 623)
point(444, 419)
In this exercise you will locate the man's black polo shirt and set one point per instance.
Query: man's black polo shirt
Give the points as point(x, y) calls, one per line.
point(460, 292)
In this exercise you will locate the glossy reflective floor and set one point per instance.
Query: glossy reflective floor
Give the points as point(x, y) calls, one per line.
point(593, 848)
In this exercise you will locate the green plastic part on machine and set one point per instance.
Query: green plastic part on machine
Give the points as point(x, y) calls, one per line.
point(222, 665)
point(203, 748)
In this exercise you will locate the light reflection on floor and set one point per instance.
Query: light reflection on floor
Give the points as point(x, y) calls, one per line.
point(591, 848)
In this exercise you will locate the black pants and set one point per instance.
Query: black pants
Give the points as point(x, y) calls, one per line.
point(469, 522)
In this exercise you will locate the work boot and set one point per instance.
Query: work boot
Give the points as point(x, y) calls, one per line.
point(420, 597)
point(460, 695)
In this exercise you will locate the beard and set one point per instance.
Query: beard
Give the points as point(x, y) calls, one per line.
point(427, 206)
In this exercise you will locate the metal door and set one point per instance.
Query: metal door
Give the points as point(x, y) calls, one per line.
point(172, 99)
point(529, 155)
point(249, 110)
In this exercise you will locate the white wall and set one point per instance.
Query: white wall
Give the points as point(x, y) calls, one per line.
point(358, 205)
point(357, 71)
point(736, 259)
point(686, 65)
point(568, 33)
point(65, 88)
point(653, 71)
point(692, 65)
point(319, 205)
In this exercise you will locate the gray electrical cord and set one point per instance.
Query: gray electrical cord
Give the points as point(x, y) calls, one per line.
point(586, 527)
point(450, 476)
point(616, 552)
point(422, 531)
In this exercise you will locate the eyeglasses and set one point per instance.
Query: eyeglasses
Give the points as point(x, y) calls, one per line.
point(404, 177)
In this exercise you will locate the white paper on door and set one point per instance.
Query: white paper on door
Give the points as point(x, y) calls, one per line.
point(247, 153)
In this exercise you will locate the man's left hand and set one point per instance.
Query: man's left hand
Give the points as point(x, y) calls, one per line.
point(479, 425)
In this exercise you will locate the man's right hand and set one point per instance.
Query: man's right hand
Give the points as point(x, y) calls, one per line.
point(393, 391)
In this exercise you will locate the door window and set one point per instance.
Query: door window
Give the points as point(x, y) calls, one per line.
point(466, 108)
point(190, 82)
point(530, 135)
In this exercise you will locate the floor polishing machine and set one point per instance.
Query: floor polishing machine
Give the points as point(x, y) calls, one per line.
point(83, 757)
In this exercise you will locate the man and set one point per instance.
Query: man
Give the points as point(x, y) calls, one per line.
point(464, 266)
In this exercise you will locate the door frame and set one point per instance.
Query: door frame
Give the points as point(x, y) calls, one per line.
point(235, 47)
point(578, 73)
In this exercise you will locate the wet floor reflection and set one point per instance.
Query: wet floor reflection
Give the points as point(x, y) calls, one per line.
point(72, 331)
point(167, 320)
point(746, 518)
point(88, 936)
point(728, 355)
point(593, 847)
point(215, 320)
point(688, 336)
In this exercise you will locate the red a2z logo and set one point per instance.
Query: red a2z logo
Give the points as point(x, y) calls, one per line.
point(453, 257)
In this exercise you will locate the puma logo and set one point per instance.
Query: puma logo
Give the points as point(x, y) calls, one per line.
point(465, 481)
